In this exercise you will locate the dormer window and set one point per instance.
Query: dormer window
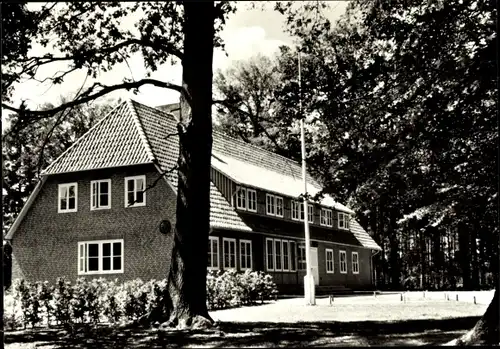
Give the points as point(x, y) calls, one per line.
point(343, 219)
point(274, 205)
point(298, 212)
point(326, 218)
point(246, 199)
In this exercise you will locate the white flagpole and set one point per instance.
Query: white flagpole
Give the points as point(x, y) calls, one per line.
point(309, 291)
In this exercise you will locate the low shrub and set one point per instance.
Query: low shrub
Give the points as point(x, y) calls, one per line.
point(100, 300)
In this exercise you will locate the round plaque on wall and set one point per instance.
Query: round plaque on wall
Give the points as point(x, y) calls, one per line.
point(165, 226)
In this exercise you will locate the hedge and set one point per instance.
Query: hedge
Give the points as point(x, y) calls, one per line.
point(108, 301)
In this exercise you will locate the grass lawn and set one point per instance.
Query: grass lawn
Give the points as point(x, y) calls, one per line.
point(349, 321)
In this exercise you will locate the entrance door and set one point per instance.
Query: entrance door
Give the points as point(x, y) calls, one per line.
point(314, 264)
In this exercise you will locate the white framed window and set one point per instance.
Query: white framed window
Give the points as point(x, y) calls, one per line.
point(269, 254)
point(279, 206)
point(135, 191)
point(326, 218)
point(278, 265)
point(252, 200)
point(100, 257)
point(100, 194)
point(297, 211)
point(245, 254)
point(229, 252)
point(293, 255)
point(301, 257)
point(274, 205)
point(241, 198)
point(343, 219)
point(270, 205)
point(280, 255)
point(286, 255)
point(67, 197)
point(343, 262)
point(355, 263)
point(329, 260)
point(310, 213)
point(213, 253)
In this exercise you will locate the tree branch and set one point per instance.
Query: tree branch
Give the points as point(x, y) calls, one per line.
point(90, 95)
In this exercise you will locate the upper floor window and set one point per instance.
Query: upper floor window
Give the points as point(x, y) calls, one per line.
point(246, 199)
point(297, 211)
point(135, 191)
point(67, 197)
point(310, 213)
point(274, 205)
point(100, 194)
point(326, 217)
point(343, 219)
point(100, 257)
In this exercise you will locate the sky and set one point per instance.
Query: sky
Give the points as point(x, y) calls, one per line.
point(247, 33)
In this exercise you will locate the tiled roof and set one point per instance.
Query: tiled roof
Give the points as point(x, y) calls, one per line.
point(133, 133)
point(114, 141)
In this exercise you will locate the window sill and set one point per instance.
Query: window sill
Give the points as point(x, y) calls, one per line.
point(67, 211)
point(102, 272)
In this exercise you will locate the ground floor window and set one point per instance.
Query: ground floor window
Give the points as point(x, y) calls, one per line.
point(245, 254)
point(213, 253)
point(343, 262)
point(100, 257)
point(329, 260)
point(355, 263)
point(280, 255)
point(301, 257)
point(229, 250)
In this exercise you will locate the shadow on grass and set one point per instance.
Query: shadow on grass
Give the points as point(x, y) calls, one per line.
point(257, 334)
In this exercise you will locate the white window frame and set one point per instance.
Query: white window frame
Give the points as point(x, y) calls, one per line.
point(329, 262)
point(293, 254)
point(135, 178)
point(280, 259)
point(98, 196)
point(280, 206)
point(343, 266)
point(298, 207)
point(224, 253)
point(310, 213)
point(67, 185)
point(288, 258)
point(247, 243)
point(84, 258)
point(254, 192)
point(267, 254)
point(299, 260)
point(345, 220)
point(270, 204)
point(243, 200)
point(355, 270)
point(326, 218)
point(211, 266)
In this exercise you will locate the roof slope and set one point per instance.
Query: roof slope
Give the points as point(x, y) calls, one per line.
point(98, 148)
point(133, 133)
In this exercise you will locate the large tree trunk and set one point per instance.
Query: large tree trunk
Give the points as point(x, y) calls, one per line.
point(486, 330)
point(186, 300)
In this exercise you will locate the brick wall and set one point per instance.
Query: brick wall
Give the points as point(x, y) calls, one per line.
point(45, 244)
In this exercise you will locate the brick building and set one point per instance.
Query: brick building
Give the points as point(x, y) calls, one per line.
point(98, 207)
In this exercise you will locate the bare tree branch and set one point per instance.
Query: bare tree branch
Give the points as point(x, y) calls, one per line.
point(89, 95)
point(152, 185)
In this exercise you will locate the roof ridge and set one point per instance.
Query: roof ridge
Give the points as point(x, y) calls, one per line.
point(79, 140)
point(140, 129)
point(255, 146)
